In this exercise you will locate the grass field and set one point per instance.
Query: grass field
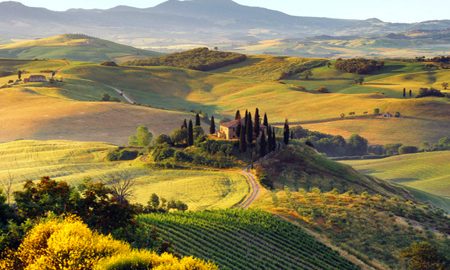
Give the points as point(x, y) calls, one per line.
point(237, 239)
point(252, 83)
point(74, 161)
point(429, 172)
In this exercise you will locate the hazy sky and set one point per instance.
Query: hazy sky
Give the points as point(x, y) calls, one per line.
point(387, 10)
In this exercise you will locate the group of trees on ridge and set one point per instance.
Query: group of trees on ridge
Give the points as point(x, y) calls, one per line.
point(358, 65)
point(202, 59)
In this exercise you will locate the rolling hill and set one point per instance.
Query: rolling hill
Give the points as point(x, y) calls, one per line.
point(178, 24)
point(73, 47)
point(73, 162)
point(428, 172)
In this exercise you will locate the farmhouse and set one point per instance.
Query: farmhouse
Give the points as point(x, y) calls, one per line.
point(228, 130)
point(35, 78)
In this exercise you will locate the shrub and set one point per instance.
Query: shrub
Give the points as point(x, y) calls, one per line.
point(163, 139)
point(109, 64)
point(407, 150)
point(179, 136)
point(162, 152)
point(323, 90)
point(106, 97)
point(425, 92)
point(122, 154)
point(181, 156)
point(359, 65)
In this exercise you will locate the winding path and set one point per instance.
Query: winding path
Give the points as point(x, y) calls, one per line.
point(121, 93)
point(254, 189)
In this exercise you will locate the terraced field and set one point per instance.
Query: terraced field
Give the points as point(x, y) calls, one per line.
point(75, 161)
point(237, 239)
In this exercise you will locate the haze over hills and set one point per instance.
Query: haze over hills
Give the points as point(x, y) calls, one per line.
point(189, 23)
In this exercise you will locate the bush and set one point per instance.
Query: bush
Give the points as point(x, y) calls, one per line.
point(359, 65)
point(407, 150)
point(163, 139)
point(122, 154)
point(323, 90)
point(162, 152)
point(109, 64)
point(425, 92)
point(142, 138)
point(181, 156)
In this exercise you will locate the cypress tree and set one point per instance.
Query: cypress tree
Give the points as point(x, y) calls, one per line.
point(238, 115)
point(269, 139)
point(266, 121)
point(197, 120)
point(292, 135)
point(242, 141)
point(262, 144)
point(410, 93)
point(404, 92)
point(239, 129)
point(190, 133)
point(184, 125)
point(249, 130)
point(274, 139)
point(257, 126)
point(286, 133)
point(212, 128)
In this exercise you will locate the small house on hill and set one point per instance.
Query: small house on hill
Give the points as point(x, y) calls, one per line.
point(228, 130)
point(35, 78)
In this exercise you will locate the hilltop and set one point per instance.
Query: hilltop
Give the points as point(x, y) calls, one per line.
point(74, 47)
point(223, 23)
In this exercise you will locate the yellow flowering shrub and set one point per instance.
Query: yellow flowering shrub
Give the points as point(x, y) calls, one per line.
point(145, 260)
point(70, 245)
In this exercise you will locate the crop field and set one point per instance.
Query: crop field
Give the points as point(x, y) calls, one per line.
point(75, 161)
point(237, 239)
point(429, 172)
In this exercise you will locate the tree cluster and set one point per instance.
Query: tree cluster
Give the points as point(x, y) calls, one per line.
point(429, 92)
point(358, 65)
point(198, 59)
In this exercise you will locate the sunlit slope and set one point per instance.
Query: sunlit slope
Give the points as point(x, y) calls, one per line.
point(429, 172)
point(75, 161)
point(30, 115)
point(71, 46)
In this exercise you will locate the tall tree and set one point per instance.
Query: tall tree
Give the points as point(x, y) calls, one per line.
point(239, 129)
point(249, 130)
point(266, 121)
point(212, 128)
point(274, 139)
point(257, 125)
point(286, 133)
point(197, 120)
point(262, 144)
point(410, 93)
point(190, 133)
point(269, 139)
point(242, 141)
point(238, 115)
point(19, 75)
point(404, 92)
point(184, 125)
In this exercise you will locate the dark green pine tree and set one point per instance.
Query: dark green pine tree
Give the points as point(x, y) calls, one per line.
point(239, 129)
point(190, 133)
point(286, 133)
point(410, 93)
point(238, 115)
point(263, 144)
point(266, 121)
point(212, 127)
point(404, 92)
point(257, 124)
point(249, 130)
point(242, 141)
point(184, 125)
point(269, 139)
point(197, 120)
point(274, 139)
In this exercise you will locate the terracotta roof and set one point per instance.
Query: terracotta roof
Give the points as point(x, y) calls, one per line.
point(233, 123)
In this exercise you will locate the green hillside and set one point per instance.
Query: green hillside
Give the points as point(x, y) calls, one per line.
point(237, 239)
point(428, 172)
point(74, 47)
